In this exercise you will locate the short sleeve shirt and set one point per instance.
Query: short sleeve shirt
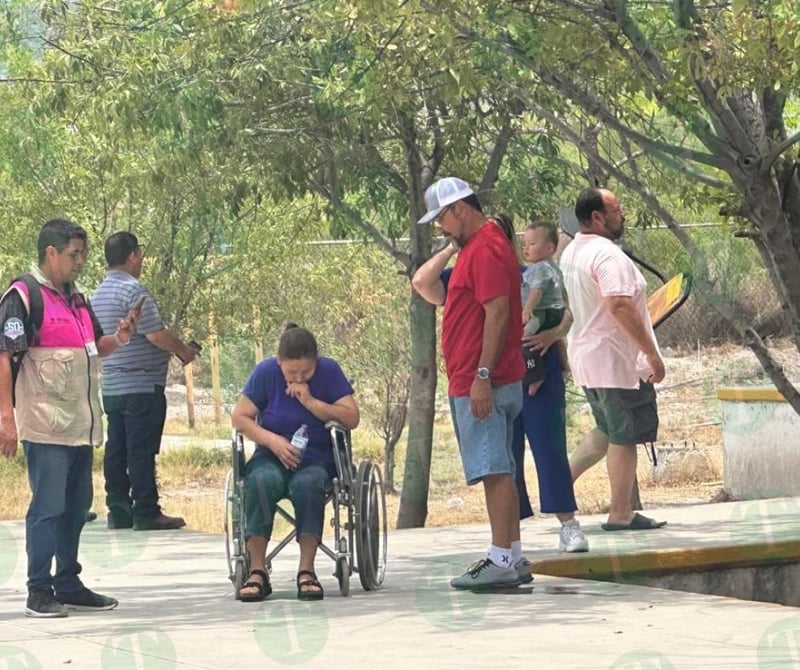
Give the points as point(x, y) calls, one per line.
point(600, 353)
point(140, 366)
point(282, 414)
point(486, 268)
point(16, 324)
point(546, 277)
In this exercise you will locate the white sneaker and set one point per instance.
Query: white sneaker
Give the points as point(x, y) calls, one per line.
point(571, 538)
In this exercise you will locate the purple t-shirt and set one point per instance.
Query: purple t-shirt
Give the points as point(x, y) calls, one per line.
point(283, 414)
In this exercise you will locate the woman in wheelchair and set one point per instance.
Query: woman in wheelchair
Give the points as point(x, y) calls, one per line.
point(295, 388)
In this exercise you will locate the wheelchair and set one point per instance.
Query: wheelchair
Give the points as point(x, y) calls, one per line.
point(358, 519)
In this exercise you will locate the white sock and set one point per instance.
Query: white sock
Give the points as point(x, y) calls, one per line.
point(516, 550)
point(500, 556)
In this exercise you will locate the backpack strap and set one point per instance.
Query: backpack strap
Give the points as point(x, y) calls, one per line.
point(35, 305)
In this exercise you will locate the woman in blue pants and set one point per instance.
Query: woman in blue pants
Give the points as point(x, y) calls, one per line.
point(543, 421)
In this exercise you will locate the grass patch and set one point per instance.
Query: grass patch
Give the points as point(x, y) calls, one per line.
point(204, 429)
point(194, 456)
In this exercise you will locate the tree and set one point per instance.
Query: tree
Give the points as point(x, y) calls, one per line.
point(382, 105)
point(182, 119)
point(701, 89)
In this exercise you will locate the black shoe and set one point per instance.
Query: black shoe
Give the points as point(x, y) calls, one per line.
point(43, 603)
point(90, 516)
point(85, 599)
point(120, 514)
point(119, 520)
point(160, 522)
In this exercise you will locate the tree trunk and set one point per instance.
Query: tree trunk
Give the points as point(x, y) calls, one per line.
point(422, 319)
point(414, 496)
point(216, 388)
point(258, 349)
point(189, 374)
point(388, 466)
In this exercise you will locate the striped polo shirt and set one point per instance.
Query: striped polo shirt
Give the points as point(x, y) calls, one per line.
point(140, 366)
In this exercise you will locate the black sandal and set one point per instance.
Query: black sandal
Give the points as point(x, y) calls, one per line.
point(310, 581)
point(264, 587)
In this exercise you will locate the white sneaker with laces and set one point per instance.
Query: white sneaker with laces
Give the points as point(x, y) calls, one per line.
point(571, 538)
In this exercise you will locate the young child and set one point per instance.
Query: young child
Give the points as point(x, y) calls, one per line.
point(542, 295)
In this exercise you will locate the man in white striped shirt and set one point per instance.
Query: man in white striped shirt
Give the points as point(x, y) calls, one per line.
point(134, 378)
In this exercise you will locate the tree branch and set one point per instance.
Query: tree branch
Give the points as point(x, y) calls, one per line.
point(28, 80)
point(773, 369)
point(365, 226)
point(492, 171)
point(394, 176)
point(778, 149)
point(637, 39)
point(591, 104)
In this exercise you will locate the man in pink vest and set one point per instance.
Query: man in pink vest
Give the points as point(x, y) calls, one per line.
point(58, 415)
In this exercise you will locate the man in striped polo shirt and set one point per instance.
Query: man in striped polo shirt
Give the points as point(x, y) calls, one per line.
point(133, 391)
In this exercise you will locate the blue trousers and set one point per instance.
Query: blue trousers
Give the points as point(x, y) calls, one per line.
point(267, 481)
point(543, 421)
point(60, 478)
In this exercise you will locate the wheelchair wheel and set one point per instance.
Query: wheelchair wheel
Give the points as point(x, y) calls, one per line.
point(240, 573)
point(372, 529)
point(342, 570)
point(235, 551)
point(227, 523)
point(342, 573)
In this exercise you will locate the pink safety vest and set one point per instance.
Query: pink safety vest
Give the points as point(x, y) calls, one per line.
point(57, 389)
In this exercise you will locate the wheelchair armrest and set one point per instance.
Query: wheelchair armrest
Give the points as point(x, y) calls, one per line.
point(335, 425)
point(238, 459)
point(342, 451)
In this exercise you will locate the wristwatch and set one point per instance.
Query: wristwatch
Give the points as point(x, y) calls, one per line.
point(483, 373)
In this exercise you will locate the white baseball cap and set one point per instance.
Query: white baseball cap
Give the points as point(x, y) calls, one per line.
point(442, 193)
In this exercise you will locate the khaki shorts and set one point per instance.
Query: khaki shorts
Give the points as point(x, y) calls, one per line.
point(626, 416)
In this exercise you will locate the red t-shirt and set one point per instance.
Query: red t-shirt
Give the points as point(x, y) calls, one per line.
point(486, 268)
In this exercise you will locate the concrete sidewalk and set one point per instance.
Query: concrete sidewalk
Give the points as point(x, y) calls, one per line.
point(177, 609)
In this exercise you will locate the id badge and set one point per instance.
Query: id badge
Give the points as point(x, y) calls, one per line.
point(91, 348)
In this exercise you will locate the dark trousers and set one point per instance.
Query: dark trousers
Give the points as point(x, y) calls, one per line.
point(60, 478)
point(543, 420)
point(135, 424)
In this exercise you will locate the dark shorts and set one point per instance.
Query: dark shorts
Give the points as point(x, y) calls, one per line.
point(626, 416)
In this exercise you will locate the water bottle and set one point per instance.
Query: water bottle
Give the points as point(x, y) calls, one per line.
point(300, 439)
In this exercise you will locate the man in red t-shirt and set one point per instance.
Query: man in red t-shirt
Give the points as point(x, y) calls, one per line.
point(481, 332)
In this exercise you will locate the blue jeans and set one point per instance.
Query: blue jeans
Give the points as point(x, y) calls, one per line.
point(60, 478)
point(267, 481)
point(486, 445)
